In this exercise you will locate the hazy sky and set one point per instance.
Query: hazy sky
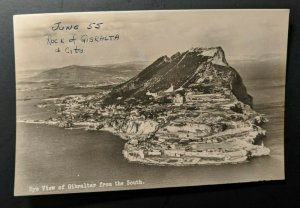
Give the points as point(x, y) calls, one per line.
point(147, 35)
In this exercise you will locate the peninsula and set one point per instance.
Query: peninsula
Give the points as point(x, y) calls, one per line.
point(188, 109)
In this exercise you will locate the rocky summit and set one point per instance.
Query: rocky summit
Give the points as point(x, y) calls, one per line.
point(203, 69)
point(188, 109)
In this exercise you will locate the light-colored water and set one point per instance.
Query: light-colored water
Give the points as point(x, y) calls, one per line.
point(55, 156)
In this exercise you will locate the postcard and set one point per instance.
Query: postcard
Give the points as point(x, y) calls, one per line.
point(149, 99)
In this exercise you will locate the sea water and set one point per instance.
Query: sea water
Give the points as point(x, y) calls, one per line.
point(51, 157)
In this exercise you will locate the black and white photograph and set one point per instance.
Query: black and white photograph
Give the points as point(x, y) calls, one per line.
point(126, 100)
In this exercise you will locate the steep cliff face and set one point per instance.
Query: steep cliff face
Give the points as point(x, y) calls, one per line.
point(203, 69)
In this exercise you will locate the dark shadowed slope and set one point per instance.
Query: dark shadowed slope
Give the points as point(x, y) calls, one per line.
point(203, 69)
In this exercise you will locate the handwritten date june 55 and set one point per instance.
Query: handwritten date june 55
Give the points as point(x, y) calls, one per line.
point(60, 26)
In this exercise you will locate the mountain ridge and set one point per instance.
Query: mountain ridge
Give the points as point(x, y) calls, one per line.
point(202, 69)
point(104, 74)
point(188, 109)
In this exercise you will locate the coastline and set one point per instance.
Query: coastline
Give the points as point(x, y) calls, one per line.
point(112, 164)
point(192, 161)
